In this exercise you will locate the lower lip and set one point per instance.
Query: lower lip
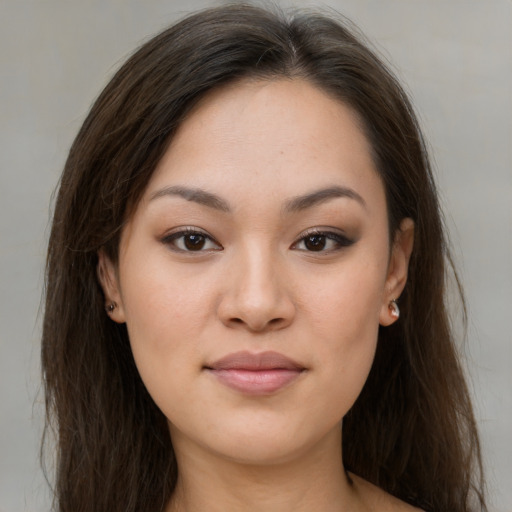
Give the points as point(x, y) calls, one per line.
point(256, 382)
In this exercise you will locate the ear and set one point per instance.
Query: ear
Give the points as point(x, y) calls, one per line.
point(397, 269)
point(109, 281)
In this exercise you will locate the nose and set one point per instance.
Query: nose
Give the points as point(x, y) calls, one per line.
point(256, 294)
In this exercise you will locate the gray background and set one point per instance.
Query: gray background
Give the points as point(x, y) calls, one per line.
point(455, 57)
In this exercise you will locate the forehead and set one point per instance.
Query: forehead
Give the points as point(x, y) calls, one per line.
point(284, 134)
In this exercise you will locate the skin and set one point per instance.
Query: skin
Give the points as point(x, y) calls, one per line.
point(256, 285)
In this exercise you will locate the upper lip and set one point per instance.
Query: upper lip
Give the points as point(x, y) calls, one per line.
point(245, 360)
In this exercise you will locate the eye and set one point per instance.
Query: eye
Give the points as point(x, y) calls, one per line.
point(191, 240)
point(322, 241)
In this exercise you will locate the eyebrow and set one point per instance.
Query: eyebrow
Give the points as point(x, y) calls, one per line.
point(196, 195)
point(294, 205)
point(300, 203)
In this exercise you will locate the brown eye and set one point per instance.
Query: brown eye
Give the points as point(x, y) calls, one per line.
point(322, 241)
point(315, 242)
point(194, 242)
point(191, 240)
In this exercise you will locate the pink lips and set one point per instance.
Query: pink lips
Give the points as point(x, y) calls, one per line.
point(255, 374)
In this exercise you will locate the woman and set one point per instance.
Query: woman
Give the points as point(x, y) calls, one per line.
point(245, 285)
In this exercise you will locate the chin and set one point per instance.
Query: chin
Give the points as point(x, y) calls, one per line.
point(269, 443)
point(258, 452)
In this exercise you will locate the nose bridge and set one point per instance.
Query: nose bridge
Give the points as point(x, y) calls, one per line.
point(258, 275)
point(257, 295)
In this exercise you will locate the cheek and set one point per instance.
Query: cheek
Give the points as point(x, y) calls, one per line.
point(345, 317)
point(165, 314)
point(348, 300)
point(160, 301)
point(164, 340)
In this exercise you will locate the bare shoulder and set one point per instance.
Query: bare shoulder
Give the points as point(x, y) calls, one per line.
point(379, 500)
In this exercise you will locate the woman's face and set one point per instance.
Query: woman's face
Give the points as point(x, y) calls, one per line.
point(255, 271)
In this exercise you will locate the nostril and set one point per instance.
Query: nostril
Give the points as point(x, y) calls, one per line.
point(274, 322)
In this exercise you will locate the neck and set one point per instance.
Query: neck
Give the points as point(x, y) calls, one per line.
point(313, 480)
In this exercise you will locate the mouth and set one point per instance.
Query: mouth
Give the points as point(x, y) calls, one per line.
point(255, 374)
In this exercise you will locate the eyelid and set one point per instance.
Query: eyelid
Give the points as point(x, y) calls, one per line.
point(331, 234)
point(181, 231)
point(334, 234)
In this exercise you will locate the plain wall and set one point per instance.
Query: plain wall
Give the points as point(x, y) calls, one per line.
point(455, 57)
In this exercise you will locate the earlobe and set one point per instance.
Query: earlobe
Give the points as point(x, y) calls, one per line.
point(397, 271)
point(108, 279)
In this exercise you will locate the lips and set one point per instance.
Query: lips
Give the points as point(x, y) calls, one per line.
point(255, 374)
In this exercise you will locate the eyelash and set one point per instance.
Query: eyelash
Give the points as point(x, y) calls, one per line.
point(172, 240)
point(339, 239)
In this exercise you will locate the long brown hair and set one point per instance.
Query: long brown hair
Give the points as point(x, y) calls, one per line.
point(411, 431)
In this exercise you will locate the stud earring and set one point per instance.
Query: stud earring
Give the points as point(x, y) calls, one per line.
point(394, 309)
point(109, 308)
